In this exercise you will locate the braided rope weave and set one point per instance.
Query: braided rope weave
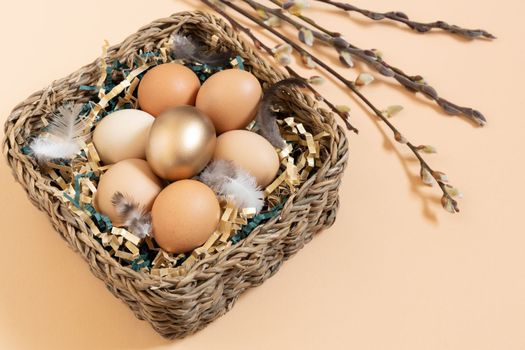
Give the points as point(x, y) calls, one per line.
point(179, 306)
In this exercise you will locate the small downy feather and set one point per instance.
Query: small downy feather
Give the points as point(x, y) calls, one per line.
point(266, 118)
point(136, 219)
point(62, 138)
point(217, 173)
point(230, 181)
point(244, 190)
point(189, 49)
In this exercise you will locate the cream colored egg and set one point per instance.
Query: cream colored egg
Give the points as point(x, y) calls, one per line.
point(250, 151)
point(122, 135)
point(131, 177)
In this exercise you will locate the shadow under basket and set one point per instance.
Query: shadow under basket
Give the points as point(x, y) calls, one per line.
point(178, 306)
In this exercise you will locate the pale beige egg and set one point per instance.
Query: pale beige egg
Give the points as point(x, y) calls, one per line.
point(250, 151)
point(131, 177)
point(122, 135)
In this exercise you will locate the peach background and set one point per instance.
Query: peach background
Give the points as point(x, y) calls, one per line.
point(395, 272)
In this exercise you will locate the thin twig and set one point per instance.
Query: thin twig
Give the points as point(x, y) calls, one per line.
point(398, 136)
point(412, 83)
point(401, 17)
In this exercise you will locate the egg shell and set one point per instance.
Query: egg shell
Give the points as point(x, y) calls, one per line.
point(181, 143)
point(250, 151)
point(184, 216)
point(122, 135)
point(230, 98)
point(133, 178)
point(167, 85)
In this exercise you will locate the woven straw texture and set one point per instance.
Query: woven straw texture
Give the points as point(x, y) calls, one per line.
point(176, 307)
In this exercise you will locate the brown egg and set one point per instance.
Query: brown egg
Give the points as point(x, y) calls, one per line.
point(131, 177)
point(250, 151)
point(167, 85)
point(230, 98)
point(184, 216)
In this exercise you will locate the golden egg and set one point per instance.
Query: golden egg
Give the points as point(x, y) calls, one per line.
point(131, 177)
point(250, 151)
point(230, 98)
point(184, 216)
point(181, 143)
point(166, 86)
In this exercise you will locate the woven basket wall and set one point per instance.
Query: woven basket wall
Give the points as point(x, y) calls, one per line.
point(176, 307)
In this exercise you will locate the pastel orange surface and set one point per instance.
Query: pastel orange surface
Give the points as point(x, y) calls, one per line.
point(396, 272)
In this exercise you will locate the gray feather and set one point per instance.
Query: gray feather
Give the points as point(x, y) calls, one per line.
point(189, 49)
point(136, 219)
point(266, 118)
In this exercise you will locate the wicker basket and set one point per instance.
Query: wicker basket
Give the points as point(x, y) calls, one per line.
point(179, 306)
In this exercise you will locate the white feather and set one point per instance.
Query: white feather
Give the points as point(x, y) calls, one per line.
point(47, 148)
point(232, 182)
point(244, 191)
point(217, 173)
point(62, 137)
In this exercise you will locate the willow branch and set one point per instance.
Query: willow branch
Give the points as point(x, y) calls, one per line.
point(425, 167)
point(413, 83)
point(401, 17)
